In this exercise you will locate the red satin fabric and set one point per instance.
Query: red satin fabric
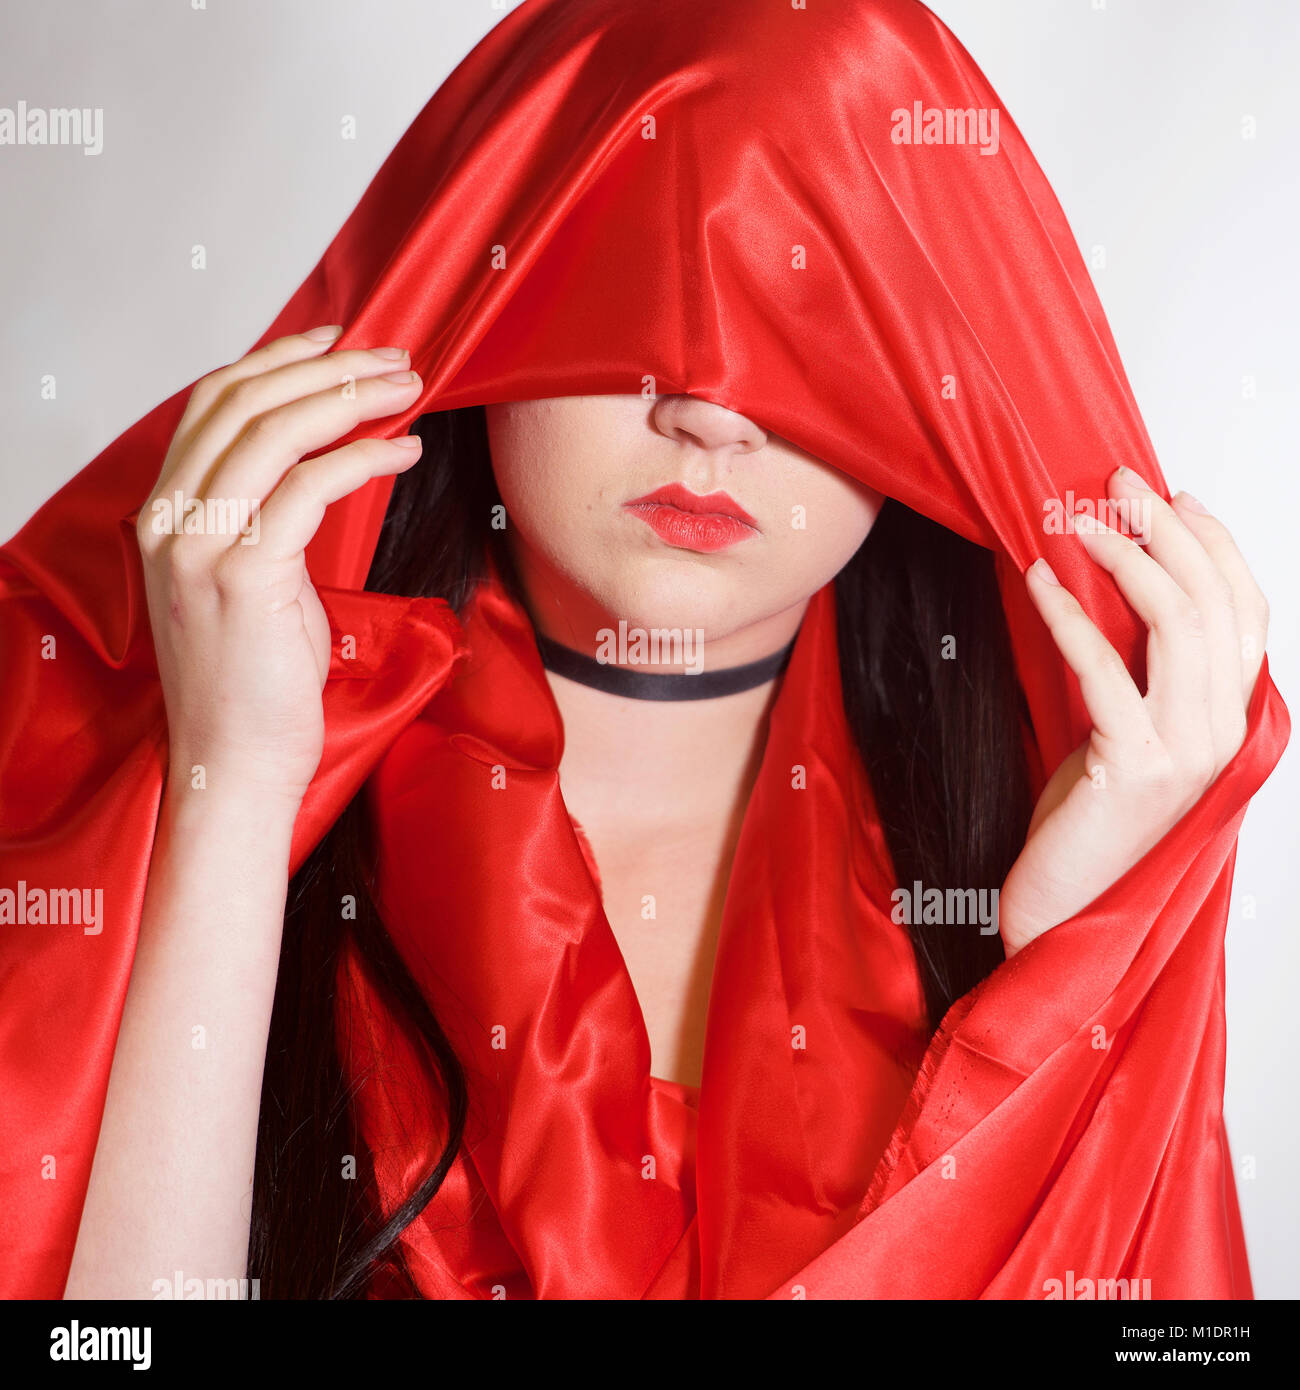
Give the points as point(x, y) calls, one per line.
point(577, 1161)
point(941, 342)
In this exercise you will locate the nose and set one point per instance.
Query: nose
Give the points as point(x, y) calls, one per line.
point(690, 420)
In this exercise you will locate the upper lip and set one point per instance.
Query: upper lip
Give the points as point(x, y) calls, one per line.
point(712, 504)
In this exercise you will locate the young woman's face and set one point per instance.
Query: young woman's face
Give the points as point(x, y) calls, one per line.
point(671, 513)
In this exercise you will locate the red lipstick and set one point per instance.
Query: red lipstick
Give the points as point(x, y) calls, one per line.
point(688, 521)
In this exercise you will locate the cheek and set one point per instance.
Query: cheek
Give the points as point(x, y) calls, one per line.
point(826, 520)
point(554, 498)
point(531, 497)
point(526, 462)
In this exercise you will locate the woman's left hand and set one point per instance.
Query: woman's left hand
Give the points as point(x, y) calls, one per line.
point(1149, 757)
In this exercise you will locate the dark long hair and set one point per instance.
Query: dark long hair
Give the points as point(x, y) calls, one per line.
point(941, 739)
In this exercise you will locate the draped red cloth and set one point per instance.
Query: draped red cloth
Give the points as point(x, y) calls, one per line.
point(583, 1175)
point(610, 196)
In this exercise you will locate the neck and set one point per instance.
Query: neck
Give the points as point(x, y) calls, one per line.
point(636, 764)
point(660, 790)
point(654, 767)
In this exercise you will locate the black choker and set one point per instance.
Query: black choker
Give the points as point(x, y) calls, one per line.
point(662, 685)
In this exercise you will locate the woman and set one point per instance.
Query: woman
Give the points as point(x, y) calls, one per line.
point(489, 1072)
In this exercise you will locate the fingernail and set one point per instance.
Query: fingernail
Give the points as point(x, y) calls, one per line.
point(407, 441)
point(388, 352)
point(1133, 479)
point(1044, 571)
point(1185, 499)
point(1085, 523)
point(400, 378)
point(325, 334)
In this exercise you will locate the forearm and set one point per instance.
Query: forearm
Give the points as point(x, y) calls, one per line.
point(171, 1184)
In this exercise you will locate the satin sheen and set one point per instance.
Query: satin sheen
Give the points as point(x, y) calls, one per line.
point(918, 316)
point(814, 1036)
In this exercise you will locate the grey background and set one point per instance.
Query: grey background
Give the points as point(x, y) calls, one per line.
point(222, 127)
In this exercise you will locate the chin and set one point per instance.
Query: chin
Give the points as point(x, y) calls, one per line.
point(681, 593)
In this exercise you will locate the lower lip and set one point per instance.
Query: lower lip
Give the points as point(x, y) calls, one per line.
point(705, 532)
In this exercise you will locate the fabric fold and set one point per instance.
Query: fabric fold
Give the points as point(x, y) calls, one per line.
point(84, 766)
point(591, 1171)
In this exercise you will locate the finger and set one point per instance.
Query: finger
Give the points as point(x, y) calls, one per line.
point(248, 396)
point(273, 443)
point(1182, 556)
point(294, 512)
point(1113, 702)
point(1178, 683)
point(208, 390)
point(1248, 602)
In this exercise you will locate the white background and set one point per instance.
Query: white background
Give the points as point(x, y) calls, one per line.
point(222, 127)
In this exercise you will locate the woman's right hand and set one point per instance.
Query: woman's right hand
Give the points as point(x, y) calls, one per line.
point(242, 641)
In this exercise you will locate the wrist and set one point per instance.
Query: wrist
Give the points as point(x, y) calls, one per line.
point(235, 777)
point(222, 794)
